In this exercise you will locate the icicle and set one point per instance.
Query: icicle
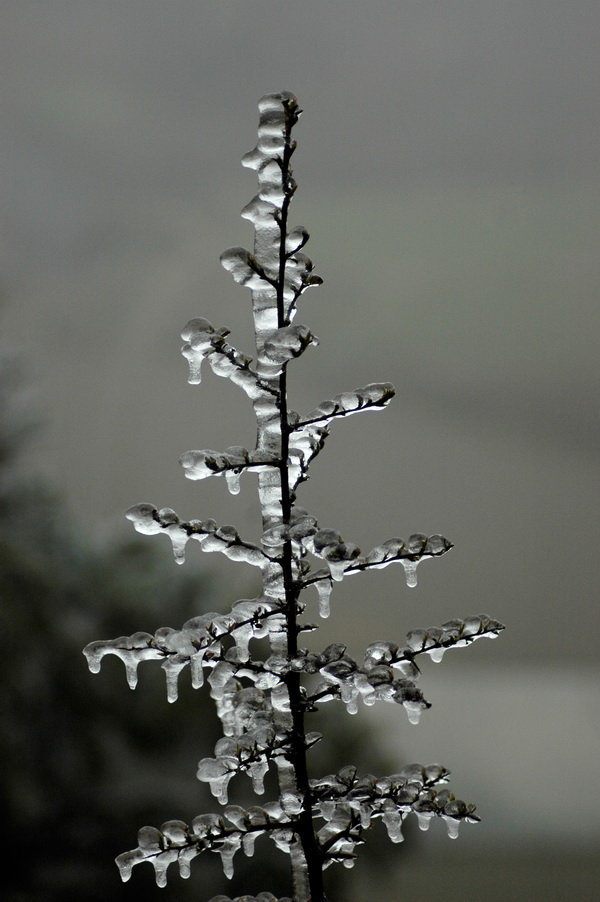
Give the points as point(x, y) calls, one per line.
point(179, 539)
point(217, 772)
point(131, 666)
point(337, 569)
point(352, 704)
point(413, 710)
point(232, 478)
point(197, 672)
point(452, 826)
point(349, 694)
point(248, 842)
point(258, 771)
point(172, 666)
point(194, 358)
point(436, 654)
point(283, 839)
point(242, 636)
point(410, 571)
point(324, 588)
point(227, 852)
point(126, 861)
point(365, 810)
point(161, 864)
point(184, 861)
point(424, 819)
point(392, 820)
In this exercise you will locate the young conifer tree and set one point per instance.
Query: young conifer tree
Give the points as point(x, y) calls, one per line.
point(265, 705)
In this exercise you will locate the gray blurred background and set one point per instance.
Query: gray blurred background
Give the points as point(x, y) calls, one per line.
point(448, 176)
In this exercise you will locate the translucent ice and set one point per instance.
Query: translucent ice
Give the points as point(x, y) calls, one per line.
point(324, 587)
point(424, 819)
point(436, 654)
point(413, 711)
point(227, 852)
point(232, 478)
point(452, 826)
point(173, 665)
point(244, 268)
point(410, 572)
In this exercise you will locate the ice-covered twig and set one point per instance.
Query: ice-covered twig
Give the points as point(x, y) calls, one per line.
point(149, 521)
point(375, 396)
point(224, 834)
point(203, 342)
point(345, 559)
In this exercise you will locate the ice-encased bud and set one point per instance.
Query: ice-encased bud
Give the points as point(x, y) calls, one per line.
point(260, 213)
point(244, 269)
point(175, 832)
point(288, 342)
point(296, 239)
point(217, 772)
point(144, 518)
point(150, 839)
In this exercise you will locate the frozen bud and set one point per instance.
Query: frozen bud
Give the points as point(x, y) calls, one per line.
point(244, 268)
point(296, 239)
point(325, 537)
point(416, 544)
point(144, 518)
point(150, 839)
point(175, 832)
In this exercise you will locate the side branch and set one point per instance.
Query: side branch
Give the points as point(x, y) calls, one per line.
point(149, 521)
point(203, 342)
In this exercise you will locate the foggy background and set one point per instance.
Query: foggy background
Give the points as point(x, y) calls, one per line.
point(447, 170)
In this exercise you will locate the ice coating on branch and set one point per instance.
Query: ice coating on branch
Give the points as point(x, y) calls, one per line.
point(347, 559)
point(329, 545)
point(375, 396)
point(245, 269)
point(435, 641)
point(296, 239)
point(345, 680)
point(203, 342)
point(132, 650)
point(276, 111)
point(283, 345)
point(217, 772)
point(349, 802)
point(228, 463)
point(258, 698)
point(210, 537)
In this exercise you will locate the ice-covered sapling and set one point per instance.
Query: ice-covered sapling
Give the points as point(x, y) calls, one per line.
point(265, 704)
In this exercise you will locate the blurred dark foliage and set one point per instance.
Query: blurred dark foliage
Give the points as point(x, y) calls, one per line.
point(85, 761)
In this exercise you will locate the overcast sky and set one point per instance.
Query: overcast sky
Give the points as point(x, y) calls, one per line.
point(448, 174)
